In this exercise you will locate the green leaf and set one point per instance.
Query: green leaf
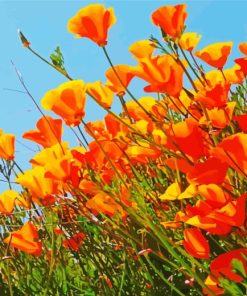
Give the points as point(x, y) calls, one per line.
point(57, 58)
point(89, 292)
point(166, 268)
point(231, 287)
point(238, 267)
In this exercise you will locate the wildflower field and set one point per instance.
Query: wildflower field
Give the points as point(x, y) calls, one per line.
point(152, 199)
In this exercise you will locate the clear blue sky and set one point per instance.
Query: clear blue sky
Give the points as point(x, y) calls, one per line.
point(44, 23)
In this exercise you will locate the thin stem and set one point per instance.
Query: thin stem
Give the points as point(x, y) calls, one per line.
point(123, 276)
point(187, 74)
point(198, 67)
point(177, 59)
point(19, 168)
point(50, 64)
point(36, 105)
point(192, 68)
point(107, 110)
point(166, 281)
point(120, 80)
point(121, 98)
point(81, 133)
point(77, 137)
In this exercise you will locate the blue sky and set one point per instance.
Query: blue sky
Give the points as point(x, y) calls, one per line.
point(44, 24)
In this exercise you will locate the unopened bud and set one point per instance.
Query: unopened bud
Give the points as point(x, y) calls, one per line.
point(24, 40)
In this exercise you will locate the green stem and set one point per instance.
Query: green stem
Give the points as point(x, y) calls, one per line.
point(123, 276)
point(172, 251)
point(50, 64)
point(126, 89)
point(173, 287)
point(9, 281)
point(177, 59)
point(198, 67)
point(192, 68)
point(37, 106)
point(81, 133)
point(121, 98)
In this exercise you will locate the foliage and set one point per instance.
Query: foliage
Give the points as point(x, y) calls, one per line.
point(153, 199)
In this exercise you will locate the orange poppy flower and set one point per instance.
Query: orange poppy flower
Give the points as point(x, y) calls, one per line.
point(140, 154)
point(189, 192)
point(48, 133)
point(212, 284)
point(25, 239)
point(201, 208)
point(93, 22)
point(97, 129)
point(213, 96)
point(115, 128)
point(195, 243)
point(142, 126)
point(96, 156)
point(136, 112)
point(209, 225)
point(119, 84)
point(232, 150)
point(163, 74)
point(68, 101)
point(7, 146)
point(142, 49)
point(242, 122)
point(189, 41)
point(7, 201)
point(42, 189)
point(214, 195)
point(101, 93)
point(222, 265)
point(174, 192)
point(242, 62)
point(219, 117)
point(180, 104)
point(103, 203)
point(197, 216)
point(182, 134)
point(243, 48)
point(178, 163)
point(158, 135)
point(50, 154)
point(215, 54)
point(58, 163)
point(212, 170)
point(89, 187)
point(65, 169)
point(23, 200)
point(217, 217)
point(171, 224)
point(74, 242)
point(170, 19)
point(233, 213)
point(232, 75)
point(159, 110)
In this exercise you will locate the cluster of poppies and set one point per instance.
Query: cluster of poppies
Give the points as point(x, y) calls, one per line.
point(181, 149)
